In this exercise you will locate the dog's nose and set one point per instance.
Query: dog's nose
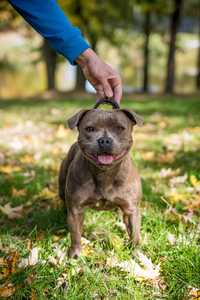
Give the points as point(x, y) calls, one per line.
point(105, 143)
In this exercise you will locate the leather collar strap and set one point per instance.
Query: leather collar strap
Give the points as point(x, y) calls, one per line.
point(114, 104)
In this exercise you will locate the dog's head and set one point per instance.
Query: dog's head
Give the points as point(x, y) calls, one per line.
point(105, 136)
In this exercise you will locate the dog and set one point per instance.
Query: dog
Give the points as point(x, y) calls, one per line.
point(98, 171)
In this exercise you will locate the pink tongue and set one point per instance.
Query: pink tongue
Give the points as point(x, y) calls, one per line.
point(105, 159)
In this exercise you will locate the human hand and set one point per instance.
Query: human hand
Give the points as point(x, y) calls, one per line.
point(106, 81)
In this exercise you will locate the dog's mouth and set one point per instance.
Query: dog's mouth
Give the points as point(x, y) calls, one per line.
point(105, 158)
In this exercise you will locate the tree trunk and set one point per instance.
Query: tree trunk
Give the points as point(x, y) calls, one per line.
point(198, 63)
point(80, 79)
point(174, 23)
point(147, 32)
point(50, 59)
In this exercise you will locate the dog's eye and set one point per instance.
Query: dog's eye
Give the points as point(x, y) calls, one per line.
point(90, 129)
point(121, 128)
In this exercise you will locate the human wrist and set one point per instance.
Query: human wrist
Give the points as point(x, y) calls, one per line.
point(85, 57)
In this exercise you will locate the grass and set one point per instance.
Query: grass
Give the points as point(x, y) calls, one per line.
point(33, 140)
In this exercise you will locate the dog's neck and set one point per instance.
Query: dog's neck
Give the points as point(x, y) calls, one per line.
point(105, 174)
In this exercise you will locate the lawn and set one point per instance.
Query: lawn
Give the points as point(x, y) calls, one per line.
point(34, 237)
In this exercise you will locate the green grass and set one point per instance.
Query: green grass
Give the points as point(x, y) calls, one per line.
point(33, 142)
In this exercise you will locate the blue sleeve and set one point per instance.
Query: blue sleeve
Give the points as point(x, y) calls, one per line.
point(46, 17)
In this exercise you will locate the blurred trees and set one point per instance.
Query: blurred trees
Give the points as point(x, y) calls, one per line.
point(50, 58)
point(149, 9)
point(97, 20)
point(193, 10)
point(174, 23)
point(103, 20)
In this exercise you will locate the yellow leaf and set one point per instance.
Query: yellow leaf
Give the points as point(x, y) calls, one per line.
point(27, 159)
point(9, 169)
point(18, 193)
point(7, 290)
point(86, 247)
point(149, 156)
point(194, 181)
point(194, 293)
point(47, 193)
point(61, 132)
point(142, 271)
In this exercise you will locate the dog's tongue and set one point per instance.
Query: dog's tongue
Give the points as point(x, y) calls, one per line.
point(105, 159)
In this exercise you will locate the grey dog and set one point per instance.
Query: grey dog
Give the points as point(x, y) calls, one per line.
point(98, 171)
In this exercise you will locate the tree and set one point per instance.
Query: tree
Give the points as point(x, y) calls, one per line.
point(150, 11)
point(198, 60)
point(97, 20)
point(174, 24)
point(50, 60)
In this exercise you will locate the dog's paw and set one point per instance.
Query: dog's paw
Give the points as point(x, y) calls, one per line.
point(74, 252)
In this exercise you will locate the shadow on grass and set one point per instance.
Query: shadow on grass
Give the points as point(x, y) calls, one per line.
point(173, 106)
point(187, 161)
point(41, 214)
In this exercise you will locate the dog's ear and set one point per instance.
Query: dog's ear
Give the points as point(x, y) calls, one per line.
point(75, 119)
point(135, 118)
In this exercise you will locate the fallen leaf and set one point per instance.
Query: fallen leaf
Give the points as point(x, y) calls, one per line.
point(171, 238)
point(27, 159)
point(194, 181)
point(60, 254)
point(194, 293)
point(33, 256)
point(12, 261)
point(12, 212)
point(7, 290)
point(47, 193)
point(61, 132)
point(62, 283)
point(18, 193)
point(148, 156)
point(31, 260)
point(86, 247)
point(165, 173)
point(144, 271)
point(9, 169)
point(178, 180)
point(33, 295)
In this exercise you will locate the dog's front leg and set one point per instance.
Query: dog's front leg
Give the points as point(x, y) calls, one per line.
point(132, 222)
point(75, 224)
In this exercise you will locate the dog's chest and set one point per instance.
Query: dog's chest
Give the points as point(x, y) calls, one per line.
point(107, 196)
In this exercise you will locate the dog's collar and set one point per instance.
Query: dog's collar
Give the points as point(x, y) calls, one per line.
point(112, 102)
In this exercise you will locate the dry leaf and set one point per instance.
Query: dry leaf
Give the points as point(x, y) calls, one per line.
point(7, 290)
point(9, 169)
point(171, 238)
point(149, 156)
point(12, 212)
point(194, 181)
point(178, 180)
point(62, 282)
point(33, 256)
point(165, 173)
point(18, 193)
point(60, 254)
point(145, 271)
point(194, 293)
point(32, 259)
point(86, 247)
point(33, 295)
point(61, 132)
point(27, 159)
point(47, 194)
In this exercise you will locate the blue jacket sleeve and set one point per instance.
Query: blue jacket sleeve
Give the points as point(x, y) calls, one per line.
point(47, 18)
